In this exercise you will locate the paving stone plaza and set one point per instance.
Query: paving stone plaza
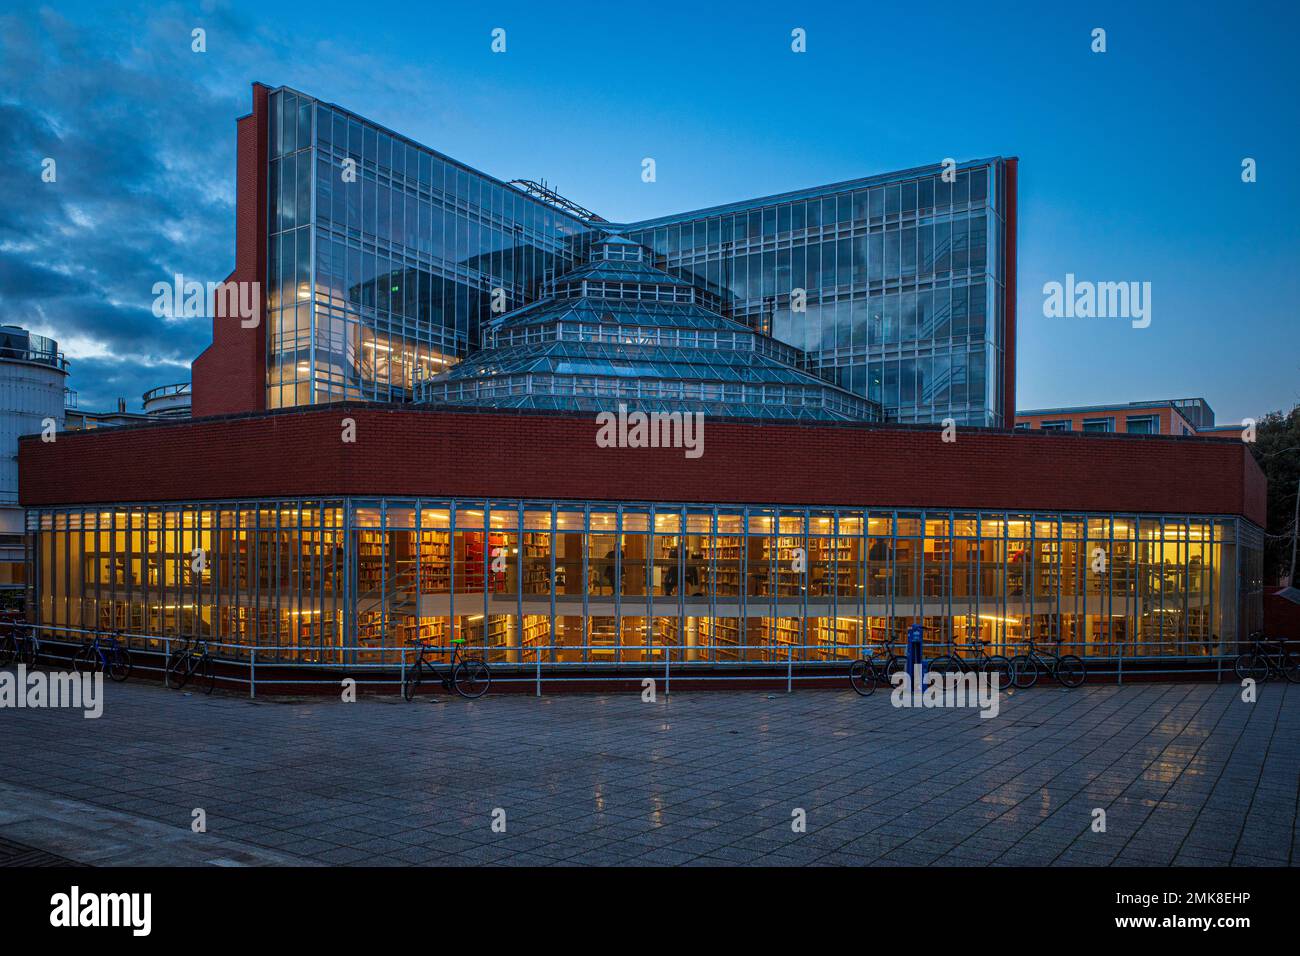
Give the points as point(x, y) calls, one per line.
point(1187, 774)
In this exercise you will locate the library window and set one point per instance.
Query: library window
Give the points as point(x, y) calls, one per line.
point(528, 583)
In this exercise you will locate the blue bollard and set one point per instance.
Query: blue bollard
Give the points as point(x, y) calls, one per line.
point(915, 657)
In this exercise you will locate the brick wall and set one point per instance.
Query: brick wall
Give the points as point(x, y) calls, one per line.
point(411, 451)
point(230, 375)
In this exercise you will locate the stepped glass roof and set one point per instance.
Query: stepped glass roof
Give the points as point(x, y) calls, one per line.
point(618, 329)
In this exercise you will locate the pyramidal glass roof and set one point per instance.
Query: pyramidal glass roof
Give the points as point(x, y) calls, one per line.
point(616, 329)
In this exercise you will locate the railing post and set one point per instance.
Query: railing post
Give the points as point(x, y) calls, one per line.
point(538, 652)
point(167, 656)
point(668, 679)
point(789, 670)
point(401, 687)
point(1121, 666)
point(252, 671)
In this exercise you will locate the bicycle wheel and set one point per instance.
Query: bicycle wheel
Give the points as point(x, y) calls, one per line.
point(896, 664)
point(86, 660)
point(207, 680)
point(1251, 666)
point(471, 678)
point(997, 664)
point(29, 650)
point(1024, 672)
point(861, 677)
point(119, 665)
point(945, 664)
point(178, 670)
point(1291, 667)
point(412, 681)
point(8, 650)
point(1070, 671)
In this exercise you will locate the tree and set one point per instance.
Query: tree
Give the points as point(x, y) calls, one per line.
point(1277, 449)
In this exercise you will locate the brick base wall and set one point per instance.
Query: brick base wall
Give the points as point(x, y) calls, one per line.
point(401, 450)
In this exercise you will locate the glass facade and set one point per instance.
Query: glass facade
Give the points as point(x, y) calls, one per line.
point(348, 580)
point(903, 276)
point(383, 257)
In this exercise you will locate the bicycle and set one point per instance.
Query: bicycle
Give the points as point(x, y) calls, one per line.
point(19, 645)
point(106, 654)
point(984, 663)
point(1068, 670)
point(190, 663)
point(1265, 658)
point(866, 672)
point(468, 676)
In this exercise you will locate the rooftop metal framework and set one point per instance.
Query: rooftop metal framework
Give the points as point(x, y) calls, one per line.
point(549, 196)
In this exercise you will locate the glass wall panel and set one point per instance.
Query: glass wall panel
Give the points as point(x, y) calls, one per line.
point(521, 582)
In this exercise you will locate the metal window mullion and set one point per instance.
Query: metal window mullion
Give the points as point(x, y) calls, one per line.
point(835, 580)
point(892, 560)
point(585, 538)
point(618, 583)
point(713, 584)
point(1110, 581)
point(648, 576)
point(487, 564)
point(351, 544)
point(1187, 579)
point(681, 574)
point(805, 584)
point(1160, 576)
point(302, 552)
point(979, 574)
point(553, 537)
point(519, 577)
point(279, 577)
point(453, 625)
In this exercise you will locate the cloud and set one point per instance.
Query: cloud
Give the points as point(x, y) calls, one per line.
point(142, 132)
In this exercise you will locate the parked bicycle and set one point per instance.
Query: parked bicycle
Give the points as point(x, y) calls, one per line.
point(875, 668)
point(105, 653)
point(984, 663)
point(193, 662)
point(1266, 658)
point(19, 645)
point(1067, 669)
point(468, 676)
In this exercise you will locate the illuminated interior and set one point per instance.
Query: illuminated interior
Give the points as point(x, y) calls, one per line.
point(348, 580)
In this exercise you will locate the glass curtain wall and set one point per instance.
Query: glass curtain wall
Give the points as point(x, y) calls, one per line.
point(587, 582)
point(262, 573)
point(903, 283)
point(383, 256)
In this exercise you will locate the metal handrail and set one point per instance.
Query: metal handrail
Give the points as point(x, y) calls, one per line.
point(161, 391)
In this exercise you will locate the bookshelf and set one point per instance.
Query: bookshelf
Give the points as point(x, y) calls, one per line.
point(1047, 568)
point(728, 553)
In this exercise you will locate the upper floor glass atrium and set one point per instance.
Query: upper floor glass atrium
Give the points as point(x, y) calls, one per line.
point(618, 329)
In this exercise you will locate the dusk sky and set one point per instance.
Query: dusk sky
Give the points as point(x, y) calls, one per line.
point(1130, 160)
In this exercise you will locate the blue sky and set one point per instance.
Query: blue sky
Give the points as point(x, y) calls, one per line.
point(1130, 160)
